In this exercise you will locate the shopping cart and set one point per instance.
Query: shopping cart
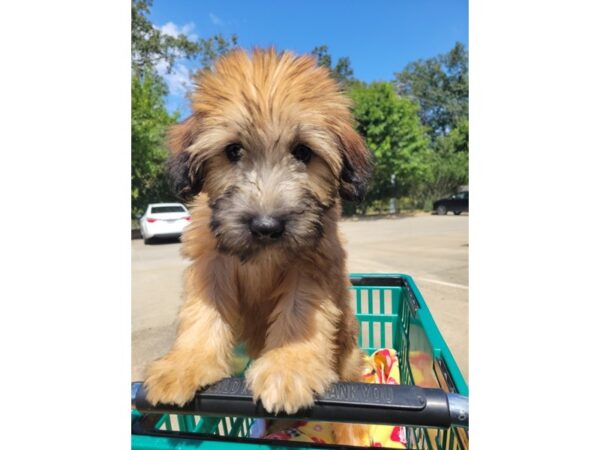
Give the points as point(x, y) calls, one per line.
point(432, 405)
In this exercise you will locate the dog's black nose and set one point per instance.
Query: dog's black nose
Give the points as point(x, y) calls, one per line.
point(267, 227)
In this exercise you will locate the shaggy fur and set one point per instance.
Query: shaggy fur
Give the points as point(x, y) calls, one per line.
point(287, 297)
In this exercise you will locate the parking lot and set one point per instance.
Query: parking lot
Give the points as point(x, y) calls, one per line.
point(432, 249)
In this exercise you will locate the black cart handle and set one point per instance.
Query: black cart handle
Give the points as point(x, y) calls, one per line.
point(342, 402)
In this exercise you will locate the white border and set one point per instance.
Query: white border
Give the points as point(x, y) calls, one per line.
point(65, 183)
point(534, 224)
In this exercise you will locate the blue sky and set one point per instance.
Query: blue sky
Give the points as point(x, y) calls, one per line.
point(380, 37)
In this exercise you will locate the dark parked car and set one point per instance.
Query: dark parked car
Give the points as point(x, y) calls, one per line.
point(456, 203)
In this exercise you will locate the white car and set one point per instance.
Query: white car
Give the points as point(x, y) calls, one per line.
point(164, 220)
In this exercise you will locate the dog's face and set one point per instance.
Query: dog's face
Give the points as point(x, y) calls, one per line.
point(270, 141)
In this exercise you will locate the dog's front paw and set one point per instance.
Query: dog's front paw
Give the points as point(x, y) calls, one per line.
point(170, 381)
point(286, 387)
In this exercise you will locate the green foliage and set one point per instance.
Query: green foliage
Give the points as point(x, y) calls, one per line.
point(149, 121)
point(421, 135)
point(440, 86)
point(149, 45)
point(213, 47)
point(342, 71)
point(450, 164)
point(323, 57)
point(392, 130)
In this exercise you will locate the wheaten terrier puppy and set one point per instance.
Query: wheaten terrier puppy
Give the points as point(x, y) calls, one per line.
point(264, 159)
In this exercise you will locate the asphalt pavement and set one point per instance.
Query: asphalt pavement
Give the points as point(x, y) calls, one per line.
point(432, 249)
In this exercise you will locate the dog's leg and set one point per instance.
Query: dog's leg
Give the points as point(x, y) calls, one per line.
point(298, 359)
point(203, 348)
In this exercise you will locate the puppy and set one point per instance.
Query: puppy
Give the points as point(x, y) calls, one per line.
point(264, 159)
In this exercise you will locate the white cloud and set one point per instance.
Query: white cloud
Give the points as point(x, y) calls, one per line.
point(187, 28)
point(174, 30)
point(215, 19)
point(170, 29)
point(179, 80)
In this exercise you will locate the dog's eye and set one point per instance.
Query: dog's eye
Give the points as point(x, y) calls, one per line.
point(302, 153)
point(233, 152)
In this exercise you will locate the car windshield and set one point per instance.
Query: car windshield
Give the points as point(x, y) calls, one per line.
point(166, 209)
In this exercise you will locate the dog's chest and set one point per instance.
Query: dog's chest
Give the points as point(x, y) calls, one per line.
point(258, 282)
point(258, 287)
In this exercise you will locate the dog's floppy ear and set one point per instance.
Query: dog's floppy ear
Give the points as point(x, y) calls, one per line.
point(357, 164)
point(186, 176)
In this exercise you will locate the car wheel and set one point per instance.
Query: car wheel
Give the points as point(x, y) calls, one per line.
point(441, 210)
point(147, 241)
point(457, 213)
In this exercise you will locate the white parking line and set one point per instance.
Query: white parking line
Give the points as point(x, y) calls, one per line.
point(369, 266)
point(373, 265)
point(443, 283)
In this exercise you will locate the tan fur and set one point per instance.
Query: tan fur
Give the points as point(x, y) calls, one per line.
point(287, 301)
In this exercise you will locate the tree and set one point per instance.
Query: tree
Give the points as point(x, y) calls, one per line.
point(149, 45)
point(149, 115)
point(342, 71)
point(212, 48)
point(321, 53)
point(392, 130)
point(440, 86)
point(149, 121)
point(450, 163)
